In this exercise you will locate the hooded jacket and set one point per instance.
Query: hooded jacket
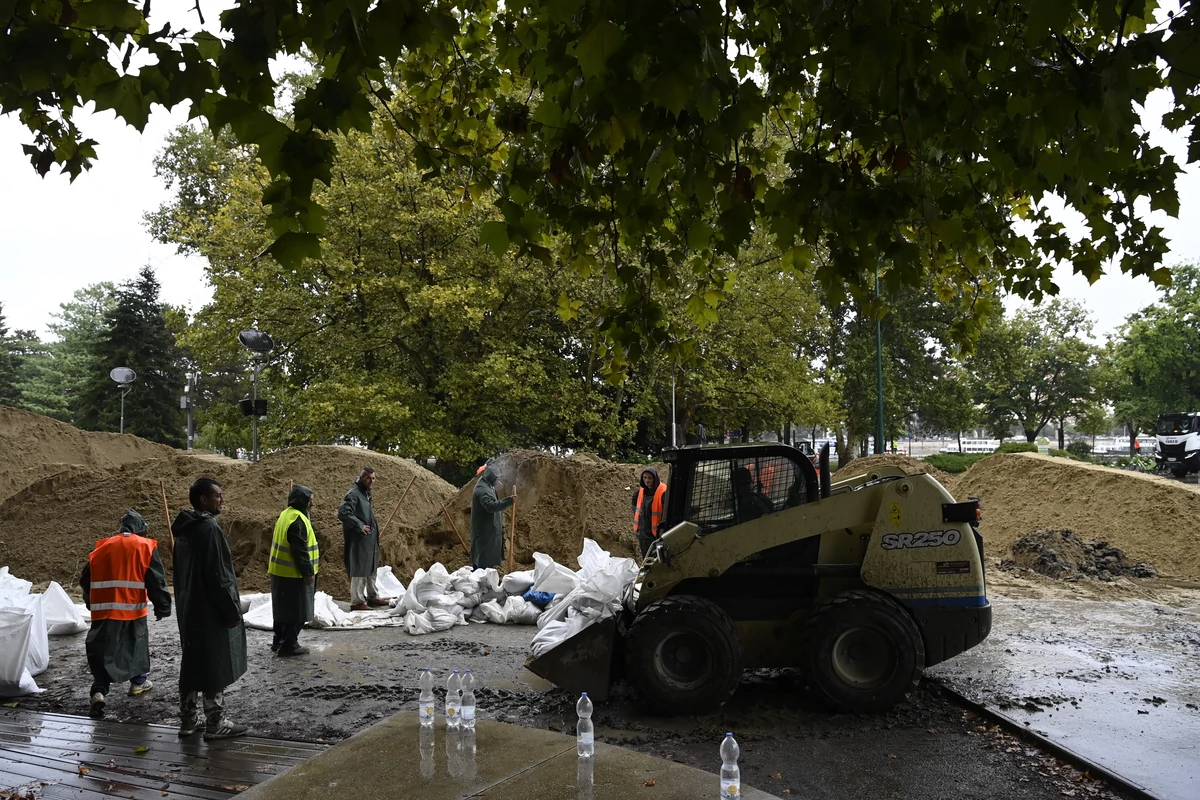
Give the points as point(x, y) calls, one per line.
point(643, 505)
point(360, 551)
point(292, 599)
point(487, 522)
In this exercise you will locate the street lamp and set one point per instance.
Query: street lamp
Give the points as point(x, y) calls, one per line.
point(124, 378)
point(260, 344)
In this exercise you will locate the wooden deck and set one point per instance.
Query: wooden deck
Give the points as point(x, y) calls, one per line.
point(49, 756)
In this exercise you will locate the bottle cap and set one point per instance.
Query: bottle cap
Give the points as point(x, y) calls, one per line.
point(728, 735)
point(584, 694)
point(455, 672)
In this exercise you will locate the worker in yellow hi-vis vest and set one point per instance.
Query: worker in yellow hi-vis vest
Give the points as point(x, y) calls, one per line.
point(294, 563)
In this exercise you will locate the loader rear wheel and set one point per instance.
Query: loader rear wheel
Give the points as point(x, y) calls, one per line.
point(1179, 473)
point(684, 655)
point(864, 652)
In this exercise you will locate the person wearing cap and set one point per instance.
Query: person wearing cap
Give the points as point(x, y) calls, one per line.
point(124, 576)
point(293, 566)
point(360, 543)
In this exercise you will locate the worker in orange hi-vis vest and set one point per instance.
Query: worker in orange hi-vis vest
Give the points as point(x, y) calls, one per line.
point(648, 504)
point(124, 576)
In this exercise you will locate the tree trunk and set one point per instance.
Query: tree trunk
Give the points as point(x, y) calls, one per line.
point(1062, 434)
point(844, 455)
point(960, 441)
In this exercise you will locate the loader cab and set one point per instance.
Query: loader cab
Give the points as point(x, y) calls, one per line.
point(719, 487)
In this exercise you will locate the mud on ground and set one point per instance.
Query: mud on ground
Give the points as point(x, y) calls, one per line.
point(927, 749)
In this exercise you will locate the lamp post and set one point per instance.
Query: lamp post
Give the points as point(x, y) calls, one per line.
point(124, 378)
point(260, 344)
point(878, 370)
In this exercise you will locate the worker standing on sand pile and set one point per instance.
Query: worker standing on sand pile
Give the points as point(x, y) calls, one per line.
point(293, 566)
point(211, 634)
point(124, 575)
point(487, 521)
point(648, 508)
point(360, 543)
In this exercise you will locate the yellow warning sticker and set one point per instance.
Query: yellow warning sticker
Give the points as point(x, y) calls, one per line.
point(894, 515)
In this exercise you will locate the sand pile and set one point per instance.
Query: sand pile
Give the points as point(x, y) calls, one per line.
point(48, 528)
point(1150, 519)
point(1062, 554)
point(910, 465)
point(560, 501)
point(33, 447)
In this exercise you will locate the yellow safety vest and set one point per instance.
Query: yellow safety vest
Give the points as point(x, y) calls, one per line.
point(281, 552)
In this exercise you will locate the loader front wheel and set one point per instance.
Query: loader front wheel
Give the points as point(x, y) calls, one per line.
point(864, 651)
point(684, 655)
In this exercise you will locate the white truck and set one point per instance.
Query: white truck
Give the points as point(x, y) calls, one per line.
point(1178, 437)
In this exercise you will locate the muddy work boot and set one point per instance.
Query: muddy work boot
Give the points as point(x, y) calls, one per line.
point(96, 709)
point(378, 602)
point(360, 607)
point(140, 688)
point(296, 650)
point(224, 730)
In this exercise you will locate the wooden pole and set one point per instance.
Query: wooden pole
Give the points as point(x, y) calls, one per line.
point(162, 487)
point(512, 535)
point(397, 508)
point(450, 519)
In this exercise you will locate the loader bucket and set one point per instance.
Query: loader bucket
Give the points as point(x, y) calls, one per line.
point(583, 663)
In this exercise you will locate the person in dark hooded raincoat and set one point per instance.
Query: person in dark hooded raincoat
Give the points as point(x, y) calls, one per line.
point(118, 647)
point(487, 522)
point(360, 542)
point(648, 504)
point(293, 569)
point(209, 611)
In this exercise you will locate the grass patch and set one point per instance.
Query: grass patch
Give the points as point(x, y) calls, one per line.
point(954, 463)
point(1017, 447)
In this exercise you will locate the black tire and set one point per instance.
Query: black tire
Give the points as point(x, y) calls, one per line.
point(684, 655)
point(864, 652)
point(1179, 473)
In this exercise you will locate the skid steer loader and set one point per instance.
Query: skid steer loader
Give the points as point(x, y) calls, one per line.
point(765, 562)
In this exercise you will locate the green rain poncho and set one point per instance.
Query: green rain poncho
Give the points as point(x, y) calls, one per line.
point(487, 522)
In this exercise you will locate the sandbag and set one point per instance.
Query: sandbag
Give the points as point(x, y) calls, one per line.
point(517, 582)
point(433, 620)
point(16, 629)
point(10, 584)
point(388, 584)
point(62, 616)
point(38, 656)
point(600, 586)
point(550, 576)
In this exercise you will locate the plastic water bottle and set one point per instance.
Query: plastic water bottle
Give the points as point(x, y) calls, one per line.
point(585, 736)
point(731, 776)
point(468, 701)
point(425, 703)
point(453, 687)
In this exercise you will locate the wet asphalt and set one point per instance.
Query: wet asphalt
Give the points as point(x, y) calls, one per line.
point(928, 748)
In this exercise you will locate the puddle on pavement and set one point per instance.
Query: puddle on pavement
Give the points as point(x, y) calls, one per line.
point(1116, 682)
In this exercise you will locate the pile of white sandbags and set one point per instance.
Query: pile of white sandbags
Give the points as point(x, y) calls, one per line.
point(26, 620)
point(593, 593)
point(437, 600)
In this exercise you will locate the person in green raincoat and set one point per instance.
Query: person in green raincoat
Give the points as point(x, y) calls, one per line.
point(294, 563)
point(127, 575)
point(487, 521)
point(209, 612)
point(360, 540)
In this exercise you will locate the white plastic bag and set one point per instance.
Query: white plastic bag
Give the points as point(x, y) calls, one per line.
point(517, 582)
point(388, 584)
point(435, 619)
point(38, 656)
point(550, 576)
point(16, 628)
point(62, 616)
point(9, 584)
point(599, 591)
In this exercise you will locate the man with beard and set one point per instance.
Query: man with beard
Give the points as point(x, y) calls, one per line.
point(293, 567)
point(123, 576)
point(211, 633)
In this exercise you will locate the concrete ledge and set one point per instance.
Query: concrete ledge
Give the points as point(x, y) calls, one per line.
point(394, 759)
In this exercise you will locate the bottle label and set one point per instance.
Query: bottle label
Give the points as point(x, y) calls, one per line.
point(730, 790)
point(450, 712)
point(586, 738)
point(468, 713)
point(426, 711)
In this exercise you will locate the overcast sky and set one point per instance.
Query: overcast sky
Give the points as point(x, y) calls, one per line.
point(56, 237)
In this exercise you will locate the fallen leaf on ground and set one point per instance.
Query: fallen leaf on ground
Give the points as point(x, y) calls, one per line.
point(891, 755)
point(141, 749)
point(777, 776)
point(933, 730)
point(13, 704)
point(649, 782)
point(84, 770)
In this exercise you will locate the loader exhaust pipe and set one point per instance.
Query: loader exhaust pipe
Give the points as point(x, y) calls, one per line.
point(826, 481)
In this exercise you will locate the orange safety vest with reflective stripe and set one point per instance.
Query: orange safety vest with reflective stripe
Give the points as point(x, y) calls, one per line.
point(656, 508)
point(118, 571)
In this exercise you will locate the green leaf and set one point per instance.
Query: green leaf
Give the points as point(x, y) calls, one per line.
point(597, 46)
point(494, 235)
point(293, 247)
point(671, 92)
